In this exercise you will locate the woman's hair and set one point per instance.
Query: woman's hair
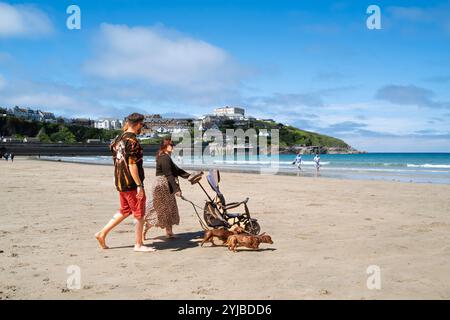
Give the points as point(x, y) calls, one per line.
point(165, 143)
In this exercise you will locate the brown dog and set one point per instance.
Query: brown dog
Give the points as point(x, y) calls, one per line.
point(247, 240)
point(222, 234)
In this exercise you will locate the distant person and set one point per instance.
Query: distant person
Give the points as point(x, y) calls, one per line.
point(317, 162)
point(129, 178)
point(12, 156)
point(298, 161)
point(6, 156)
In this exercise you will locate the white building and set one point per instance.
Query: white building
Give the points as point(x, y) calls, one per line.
point(116, 124)
point(46, 116)
point(26, 113)
point(230, 112)
point(30, 114)
point(108, 124)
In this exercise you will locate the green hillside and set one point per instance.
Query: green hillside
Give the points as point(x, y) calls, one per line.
point(291, 136)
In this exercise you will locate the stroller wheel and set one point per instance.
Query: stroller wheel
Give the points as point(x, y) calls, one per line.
point(252, 227)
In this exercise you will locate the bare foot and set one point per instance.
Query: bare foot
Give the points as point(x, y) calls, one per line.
point(101, 240)
point(143, 249)
point(171, 236)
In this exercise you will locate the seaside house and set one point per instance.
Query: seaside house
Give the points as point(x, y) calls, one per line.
point(46, 116)
point(20, 112)
point(232, 113)
point(211, 121)
point(30, 114)
point(82, 122)
point(154, 124)
point(220, 115)
point(108, 124)
point(26, 113)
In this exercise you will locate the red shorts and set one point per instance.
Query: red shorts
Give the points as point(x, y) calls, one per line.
point(129, 204)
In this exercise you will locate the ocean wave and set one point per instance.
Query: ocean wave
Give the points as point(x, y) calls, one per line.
point(254, 162)
point(427, 165)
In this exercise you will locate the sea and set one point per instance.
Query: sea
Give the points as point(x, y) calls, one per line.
point(403, 167)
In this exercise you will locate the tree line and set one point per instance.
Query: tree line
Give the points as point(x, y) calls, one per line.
point(52, 132)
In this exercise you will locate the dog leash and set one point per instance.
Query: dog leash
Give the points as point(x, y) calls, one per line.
point(202, 224)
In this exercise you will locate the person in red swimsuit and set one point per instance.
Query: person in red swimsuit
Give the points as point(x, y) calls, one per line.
point(129, 178)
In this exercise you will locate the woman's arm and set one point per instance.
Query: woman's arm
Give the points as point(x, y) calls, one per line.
point(180, 172)
point(166, 167)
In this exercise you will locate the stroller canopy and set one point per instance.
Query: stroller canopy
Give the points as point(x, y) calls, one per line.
point(214, 179)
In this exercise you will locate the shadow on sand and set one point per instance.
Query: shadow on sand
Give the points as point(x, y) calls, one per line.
point(181, 242)
point(257, 250)
point(185, 241)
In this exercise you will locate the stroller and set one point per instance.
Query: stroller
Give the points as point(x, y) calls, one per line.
point(216, 210)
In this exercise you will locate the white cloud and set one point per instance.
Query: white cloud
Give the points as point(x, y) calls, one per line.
point(23, 21)
point(67, 100)
point(382, 117)
point(163, 58)
point(410, 95)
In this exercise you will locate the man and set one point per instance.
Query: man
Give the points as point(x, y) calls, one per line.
point(298, 161)
point(12, 156)
point(129, 178)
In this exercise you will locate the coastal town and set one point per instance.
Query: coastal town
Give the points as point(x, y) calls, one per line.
point(155, 124)
point(57, 129)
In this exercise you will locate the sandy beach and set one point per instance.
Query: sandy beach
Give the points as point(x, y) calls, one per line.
point(327, 232)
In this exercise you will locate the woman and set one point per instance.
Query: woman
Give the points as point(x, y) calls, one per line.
point(161, 208)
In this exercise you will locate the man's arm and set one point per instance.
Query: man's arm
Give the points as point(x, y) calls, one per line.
point(135, 174)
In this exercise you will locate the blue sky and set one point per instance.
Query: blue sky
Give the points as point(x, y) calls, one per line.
point(312, 64)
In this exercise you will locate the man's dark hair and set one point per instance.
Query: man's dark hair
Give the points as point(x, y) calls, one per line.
point(135, 118)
